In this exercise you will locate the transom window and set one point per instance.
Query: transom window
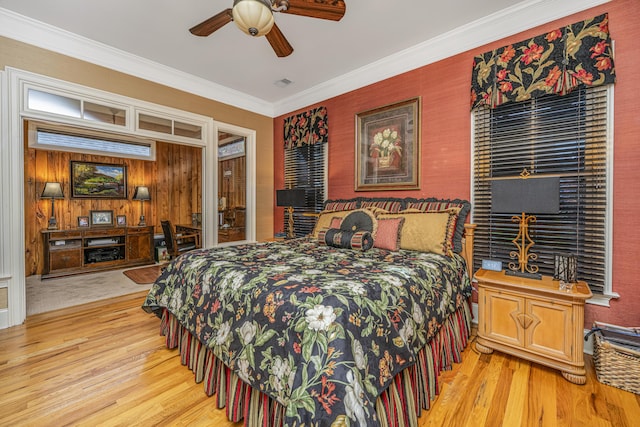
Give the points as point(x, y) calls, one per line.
point(65, 138)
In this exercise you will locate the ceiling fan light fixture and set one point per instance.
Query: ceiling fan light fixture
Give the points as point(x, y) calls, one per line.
point(254, 17)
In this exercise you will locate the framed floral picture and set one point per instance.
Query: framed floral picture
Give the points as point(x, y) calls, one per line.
point(388, 147)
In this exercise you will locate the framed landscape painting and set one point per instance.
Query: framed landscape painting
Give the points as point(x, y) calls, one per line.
point(98, 180)
point(388, 147)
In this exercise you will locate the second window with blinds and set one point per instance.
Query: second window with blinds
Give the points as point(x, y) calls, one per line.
point(564, 136)
point(305, 168)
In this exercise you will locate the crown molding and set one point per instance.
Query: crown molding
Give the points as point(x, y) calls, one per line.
point(37, 33)
point(515, 19)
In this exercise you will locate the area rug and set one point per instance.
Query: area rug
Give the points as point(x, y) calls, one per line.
point(144, 275)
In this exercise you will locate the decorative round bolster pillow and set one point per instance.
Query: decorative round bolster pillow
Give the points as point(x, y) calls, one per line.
point(358, 240)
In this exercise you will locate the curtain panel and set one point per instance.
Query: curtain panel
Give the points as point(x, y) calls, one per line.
point(306, 128)
point(556, 62)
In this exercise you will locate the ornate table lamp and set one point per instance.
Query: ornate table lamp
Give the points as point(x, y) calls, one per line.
point(141, 193)
point(525, 194)
point(290, 198)
point(52, 190)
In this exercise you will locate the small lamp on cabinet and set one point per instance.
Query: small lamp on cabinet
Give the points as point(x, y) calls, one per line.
point(292, 197)
point(526, 194)
point(141, 193)
point(52, 190)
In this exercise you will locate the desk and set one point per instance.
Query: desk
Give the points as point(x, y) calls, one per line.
point(190, 229)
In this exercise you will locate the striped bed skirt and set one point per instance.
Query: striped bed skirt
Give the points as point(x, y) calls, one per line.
point(400, 405)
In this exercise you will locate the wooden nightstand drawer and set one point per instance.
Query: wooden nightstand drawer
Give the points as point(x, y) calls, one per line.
point(497, 325)
point(550, 330)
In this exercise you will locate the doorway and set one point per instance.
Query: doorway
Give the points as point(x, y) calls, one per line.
point(232, 187)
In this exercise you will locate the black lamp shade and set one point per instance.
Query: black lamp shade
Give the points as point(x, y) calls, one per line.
point(531, 195)
point(52, 190)
point(290, 197)
point(141, 193)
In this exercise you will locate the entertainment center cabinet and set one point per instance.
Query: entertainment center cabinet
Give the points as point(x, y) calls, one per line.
point(85, 250)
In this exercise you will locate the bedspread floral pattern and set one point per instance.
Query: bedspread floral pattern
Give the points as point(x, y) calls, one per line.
point(322, 330)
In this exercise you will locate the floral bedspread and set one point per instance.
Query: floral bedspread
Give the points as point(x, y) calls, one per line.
point(322, 330)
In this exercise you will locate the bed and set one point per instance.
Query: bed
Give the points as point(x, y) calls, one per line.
point(332, 329)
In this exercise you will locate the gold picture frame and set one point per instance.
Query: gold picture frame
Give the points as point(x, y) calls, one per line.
point(90, 180)
point(388, 147)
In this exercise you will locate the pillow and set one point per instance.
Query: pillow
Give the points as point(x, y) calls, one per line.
point(386, 204)
point(432, 204)
point(324, 220)
point(388, 234)
point(335, 222)
point(358, 240)
point(340, 205)
point(360, 220)
point(453, 211)
point(427, 231)
point(376, 211)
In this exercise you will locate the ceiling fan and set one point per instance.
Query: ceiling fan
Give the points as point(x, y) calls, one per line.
point(255, 17)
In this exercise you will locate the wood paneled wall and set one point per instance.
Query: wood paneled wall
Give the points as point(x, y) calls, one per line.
point(233, 186)
point(174, 181)
point(178, 183)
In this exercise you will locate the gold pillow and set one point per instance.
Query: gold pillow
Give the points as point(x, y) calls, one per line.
point(427, 231)
point(324, 220)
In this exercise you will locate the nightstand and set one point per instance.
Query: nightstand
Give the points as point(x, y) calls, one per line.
point(534, 320)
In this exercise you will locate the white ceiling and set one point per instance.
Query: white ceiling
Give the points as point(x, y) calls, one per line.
point(375, 40)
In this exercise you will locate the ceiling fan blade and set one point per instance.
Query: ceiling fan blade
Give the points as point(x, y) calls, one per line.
point(278, 42)
point(212, 24)
point(323, 9)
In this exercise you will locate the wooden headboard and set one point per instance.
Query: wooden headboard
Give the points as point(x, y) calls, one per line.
point(467, 247)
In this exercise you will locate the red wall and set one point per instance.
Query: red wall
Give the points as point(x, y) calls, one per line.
point(446, 140)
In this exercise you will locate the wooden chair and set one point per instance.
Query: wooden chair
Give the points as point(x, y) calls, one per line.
point(178, 243)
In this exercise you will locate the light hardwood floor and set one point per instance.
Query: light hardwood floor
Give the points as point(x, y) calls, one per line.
point(105, 364)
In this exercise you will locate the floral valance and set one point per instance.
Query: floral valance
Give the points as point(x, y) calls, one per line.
point(308, 128)
point(556, 62)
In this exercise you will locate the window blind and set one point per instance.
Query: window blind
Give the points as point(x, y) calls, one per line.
point(48, 139)
point(563, 136)
point(304, 167)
